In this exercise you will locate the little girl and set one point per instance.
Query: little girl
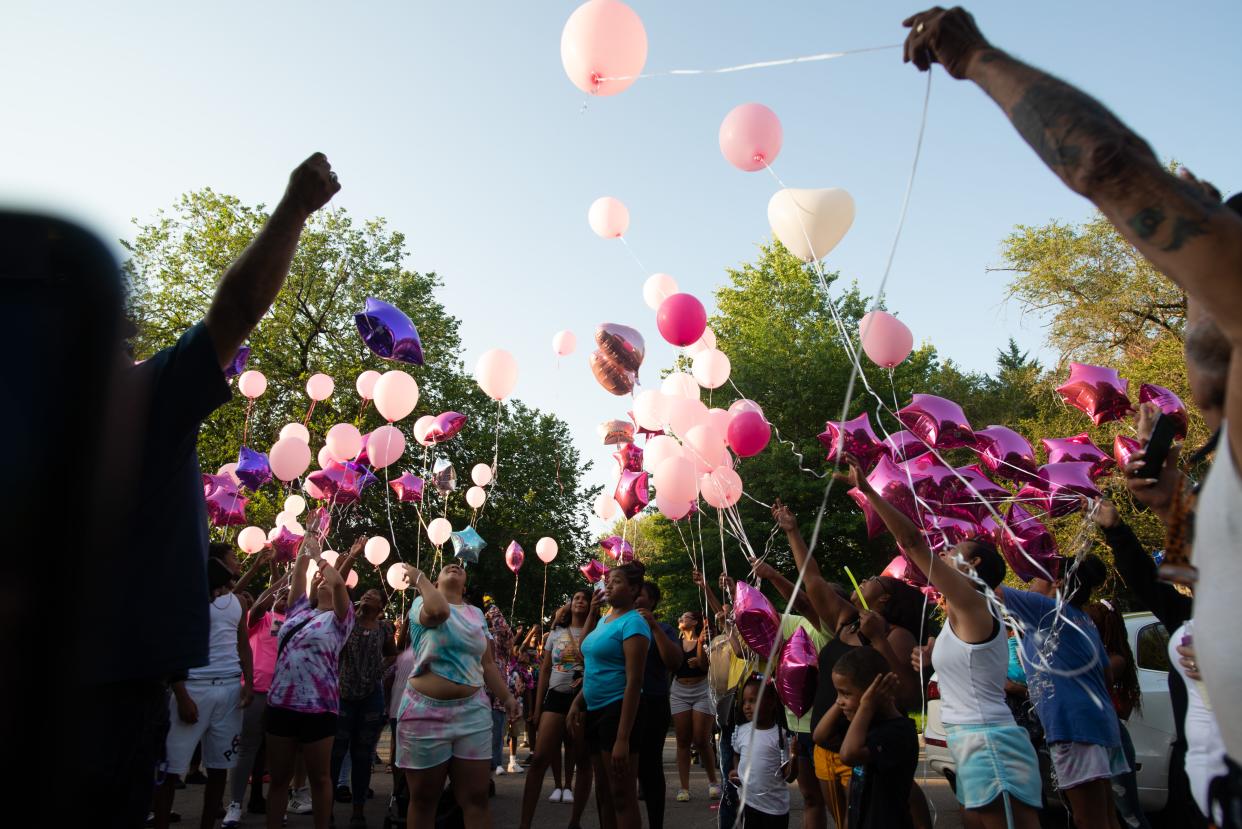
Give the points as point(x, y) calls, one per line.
point(762, 766)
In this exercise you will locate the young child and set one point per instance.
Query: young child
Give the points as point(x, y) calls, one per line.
point(881, 743)
point(763, 765)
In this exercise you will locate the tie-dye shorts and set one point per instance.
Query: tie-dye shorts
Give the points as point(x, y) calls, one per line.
point(432, 731)
point(993, 760)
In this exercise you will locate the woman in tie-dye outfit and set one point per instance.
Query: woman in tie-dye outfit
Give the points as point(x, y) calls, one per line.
point(444, 723)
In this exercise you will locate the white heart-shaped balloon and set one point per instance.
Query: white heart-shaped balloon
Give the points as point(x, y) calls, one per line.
point(810, 223)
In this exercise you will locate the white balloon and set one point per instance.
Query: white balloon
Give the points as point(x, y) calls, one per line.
point(481, 474)
point(657, 288)
point(475, 496)
point(680, 384)
point(810, 223)
point(376, 550)
point(296, 430)
point(295, 505)
point(397, 577)
point(330, 556)
point(286, 519)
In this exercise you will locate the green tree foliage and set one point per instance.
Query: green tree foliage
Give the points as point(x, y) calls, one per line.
point(174, 263)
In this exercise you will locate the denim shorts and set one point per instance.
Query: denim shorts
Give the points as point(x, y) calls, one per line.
point(430, 732)
point(994, 759)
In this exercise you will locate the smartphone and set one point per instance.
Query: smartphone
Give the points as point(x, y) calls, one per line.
point(1157, 450)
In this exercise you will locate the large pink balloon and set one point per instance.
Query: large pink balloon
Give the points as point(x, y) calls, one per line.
point(749, 433)
point(320, 387)
point(295, 430)
point(396, 395)
point(365, 384)
point(892, 483)
point(1007, 454)
point(680, 384)
point(385, 446)
point(722, 487)
point(797, 673)
point(608, 217)
point(289, 458)
point(650, 409)
point(757, 621)
point(659, 449)
point(750, 137)
point(1100, 392)
point(1078, 448)
point(421, 427)
point(903, 446)
point(603, 40)
point(684, 415)
point(1170, 404)
point(251, 540)
point(681, 319)
point(885, 339)
point(706, 447)
point(546, 548)
point(343, 442)
point(496, 373)
point(1028, 546)
point(719, 419)
point(672, 508)
point(439, 530)
point(605, 506)
point(744, 405)
point(855, 437)
point(675, 479)
point(252, 384)
point(564, 343)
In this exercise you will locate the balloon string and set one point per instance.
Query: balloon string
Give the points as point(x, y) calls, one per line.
point(513, 604)
point(641, 266)
point(765, 64)
point(246, 420)
point(309, 412)
point(793, 447)
point(543, 603)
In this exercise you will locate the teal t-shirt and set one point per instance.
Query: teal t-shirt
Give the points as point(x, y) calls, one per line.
point(603, 652)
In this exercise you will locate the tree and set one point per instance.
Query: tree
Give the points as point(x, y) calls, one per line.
point(174, 263)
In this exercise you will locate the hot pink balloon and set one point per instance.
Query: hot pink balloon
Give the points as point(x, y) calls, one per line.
point(749, 433)
point(618, 549)
point(608, 217)
point(933, 479)
point(853, 436)
point(756, 620)
point(797, 673)
point(1100, 392)
point(629, 458)
point(892, 483)
point(252, 384)
point(320, 387)
point(939, 422)
point(903, 446)
point(1007, 454)
point(1062, 483)
point(750, 137)
point(944, 532)
point(385, 446)
point(902, 568)
point(593, 571)
point(971, 500)
point(343, 442)
point(885, 339)
point(564, 343)
point(409, 487)
point(1078, 448)
point(1028, 546)
point(225, 505)
point(1170, 405)
point(1123, 448)
point(445, 427)
point(289, 458)
point(515, 556)
point(342, 482)
point(351, 581)
point(632, 493)
point(603, 47)
point(286, 544)
point(681, 319)
point(722, 487)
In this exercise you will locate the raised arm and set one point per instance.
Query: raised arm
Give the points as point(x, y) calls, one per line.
point(435, 610)
point(1138, 570)
point(833, 611)
point(265, 601)
point(340, 593)
point(786, 588)
point(297, 581)
point(346, 564)
point(712, 601)
point(251, 284)
point(256, 561)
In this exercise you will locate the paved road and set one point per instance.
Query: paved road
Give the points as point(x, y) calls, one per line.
point(697, 814)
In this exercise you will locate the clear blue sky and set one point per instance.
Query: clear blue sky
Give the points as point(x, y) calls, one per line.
point(456, 122)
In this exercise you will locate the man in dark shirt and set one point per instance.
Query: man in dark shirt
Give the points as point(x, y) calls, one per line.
point(143, 618)
point(663, 655)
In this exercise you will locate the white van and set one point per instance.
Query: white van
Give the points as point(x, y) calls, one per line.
point(1151, 726)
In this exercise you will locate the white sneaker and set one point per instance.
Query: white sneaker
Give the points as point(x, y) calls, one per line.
point(300, 802)
point(567, 795)
point(232, 815)
point(514, 768)
point(713, 792)
point(500, 770)
point(555, 797)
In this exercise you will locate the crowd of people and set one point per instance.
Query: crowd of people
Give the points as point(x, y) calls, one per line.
point(300, 681)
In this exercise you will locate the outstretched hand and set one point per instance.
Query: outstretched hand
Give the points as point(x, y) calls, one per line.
point(855, 477)
point(949, 38)
point(784, 517)
point(312, 184)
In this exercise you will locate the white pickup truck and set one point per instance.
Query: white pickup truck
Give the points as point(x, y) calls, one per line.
point(1151, 727)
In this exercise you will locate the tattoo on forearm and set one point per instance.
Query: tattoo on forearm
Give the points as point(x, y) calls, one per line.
point(1042, 118)
point(1184, 229)
point(1147, 221)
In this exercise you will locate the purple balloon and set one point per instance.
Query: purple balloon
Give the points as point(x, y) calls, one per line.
point(225, 505)
point(1061, 484)
point(389, 333)
point(903, 446)
point(940, 423)
point(1078, 448)
point(593, 571)
point(1170, 405)
point(618, 549)
point(409, 487)
point(1100, 392)
point(853, 436)
point(890, 481)
point(1028, 546)
point(1007, 454)
point(797, 673)
point(632, 493)
point(253, 469)
point(239, 363)
point(1123, 448)
point(756, 620)
point(286, 544)
point(446, 426)
point(343, 483)
point(629, 458)
point(514, 556)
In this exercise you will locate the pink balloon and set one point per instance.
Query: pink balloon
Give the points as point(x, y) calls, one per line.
point(608, 217)
point(605, 507)
point(546, 548)
point(684, 415)
point(1170, 404)
point(1123, 448)
point(672, 508)
point(711, 368)
point(312, 489)
point(496, 373)
point(320, 387)
point(744, 405)
point(366, 384)
point(385, 446)
point(657, 288)
point(650, 410)
point(1060, 485)
point(229, 469)
point(797, 673)
point(421, 428)
point(343, 442)
point(719, 419)
point(903, 446)
point(939, 422)
point(675, 480)
point(750, 137)
point(885, 339)
point(892, 483)
point(1028, 546)
point(853, 436)
point(325, 457)
point(251, 540)
point(295, 430)
point(706, 447)
point(564, 343)
point(438, 531)
point(757, 621)
point(515, 556)
point(603, 47)
point(351, 581)
point(749, 433)
point(475, 496)
point(1007, 454)
point(252, 384)
point(722, 487)
point(1078, 448)
point(396, 395)
point(631, 494)
point(681, 319)
point(1100, 392)
point(680, 384)
point(289, 458)
point(659, 449)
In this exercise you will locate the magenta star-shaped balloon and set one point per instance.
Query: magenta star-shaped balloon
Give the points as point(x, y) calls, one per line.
point(1078, 448)
point(593, 571)
point(855, 437)
point(343, 482)
point(225, 505)
point(629, 457)
point(1060, 485)
point(931, 477)
point(1028, 546)
point(632, 493)
point(903, 446)
point(1099, 391)
point(1170, 405)
point(445, 426)
point(1007, 454)
point(1123, 447)
point(971, 499)
point(891, 482)
point(618, 549)
point(286, 544)
point(944, 532)
point(409, 487)
point(938, 422)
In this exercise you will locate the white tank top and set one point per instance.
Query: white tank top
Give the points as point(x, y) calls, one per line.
point(1218, 555)
point(1205, 751)
point(972, 678)
point(222, 658)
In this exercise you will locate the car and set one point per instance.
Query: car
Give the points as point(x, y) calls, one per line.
point(1150, 726)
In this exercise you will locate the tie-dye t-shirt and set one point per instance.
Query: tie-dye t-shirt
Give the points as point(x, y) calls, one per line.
point(454, 649)
point(306, 677)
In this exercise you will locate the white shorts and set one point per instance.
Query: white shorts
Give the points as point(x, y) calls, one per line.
point(693, 697)
point(218, 727)
point(1078, 763)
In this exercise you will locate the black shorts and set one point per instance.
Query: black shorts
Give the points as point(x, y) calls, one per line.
point(558, 702)
point(601, 728)
point(651, 726)
point(299, 725)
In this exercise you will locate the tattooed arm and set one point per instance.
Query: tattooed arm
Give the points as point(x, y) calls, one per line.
point(1175, 221)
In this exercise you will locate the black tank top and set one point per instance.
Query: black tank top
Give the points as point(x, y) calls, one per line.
point(684, 671)
point(825, 691)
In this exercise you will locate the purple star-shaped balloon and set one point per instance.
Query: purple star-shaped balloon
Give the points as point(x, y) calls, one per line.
point(253, 469)
point(409, 487)
point(389, 333)
point(239, 363)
